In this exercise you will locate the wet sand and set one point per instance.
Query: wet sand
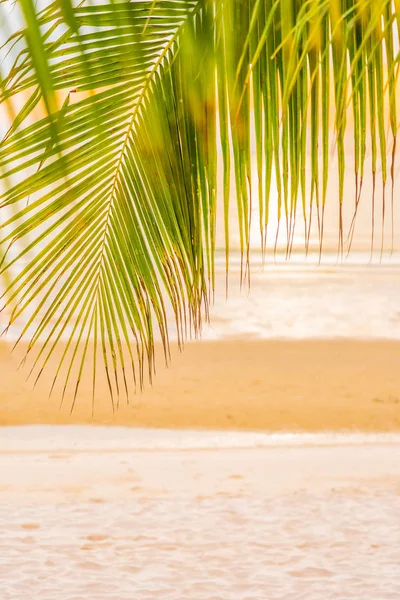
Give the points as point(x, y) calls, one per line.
point(309, 385)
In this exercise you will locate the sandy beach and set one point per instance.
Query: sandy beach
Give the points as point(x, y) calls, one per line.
point(297, 385)
point(113, 513)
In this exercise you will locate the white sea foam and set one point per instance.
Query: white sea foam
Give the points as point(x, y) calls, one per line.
point(76, 438)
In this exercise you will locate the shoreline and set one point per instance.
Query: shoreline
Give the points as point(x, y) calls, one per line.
point(335, 385)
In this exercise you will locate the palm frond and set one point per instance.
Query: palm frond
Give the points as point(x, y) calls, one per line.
point(110, 197)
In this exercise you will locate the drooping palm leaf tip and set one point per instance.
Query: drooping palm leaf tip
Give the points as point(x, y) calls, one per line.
point(109, 199)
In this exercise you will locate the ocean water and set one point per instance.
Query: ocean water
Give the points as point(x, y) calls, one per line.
point(303, 299)
point(296, 300)
point(114, 513)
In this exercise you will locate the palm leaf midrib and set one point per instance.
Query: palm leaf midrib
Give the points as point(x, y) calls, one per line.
point(142, 95)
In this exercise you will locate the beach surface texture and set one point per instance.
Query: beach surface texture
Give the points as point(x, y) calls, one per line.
point(297, 385)
point(114, 513)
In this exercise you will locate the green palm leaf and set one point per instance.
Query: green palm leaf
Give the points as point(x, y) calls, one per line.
point(110, 199)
